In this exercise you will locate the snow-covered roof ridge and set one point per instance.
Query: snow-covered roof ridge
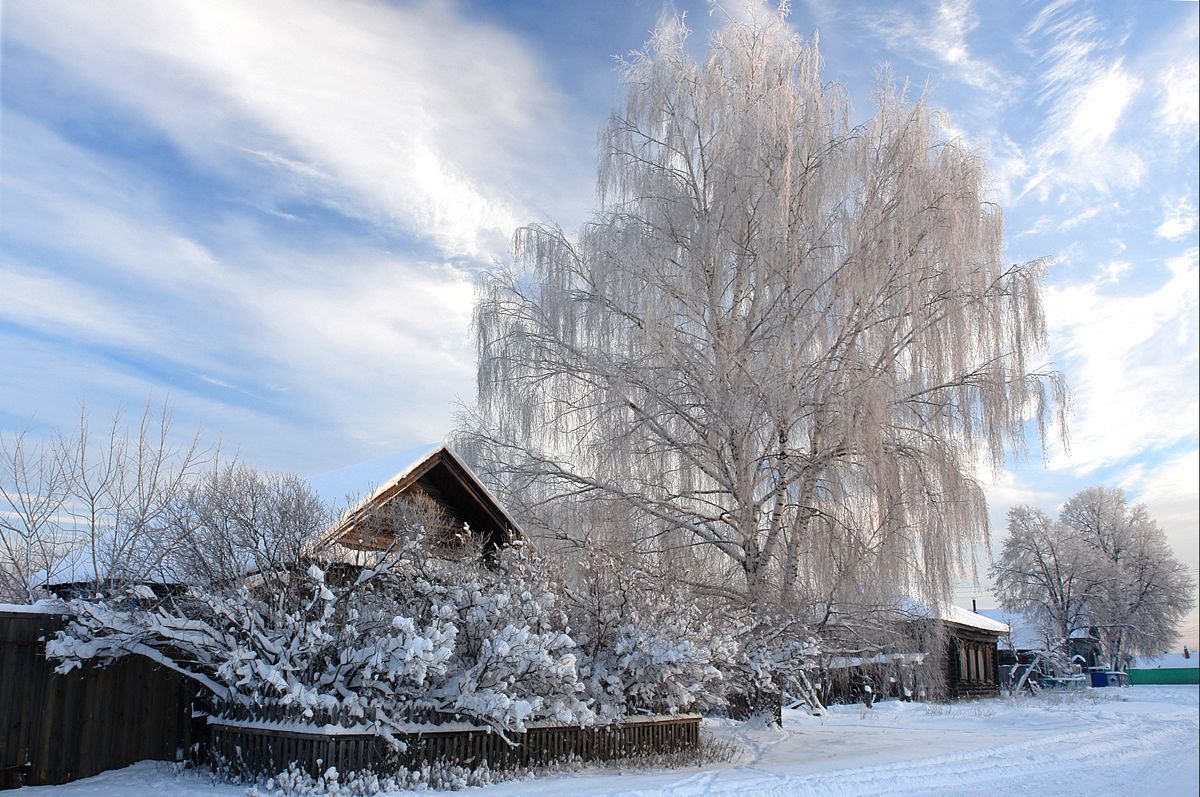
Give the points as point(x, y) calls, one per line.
point(966, 617)
point(955, 614)
point(43, 606)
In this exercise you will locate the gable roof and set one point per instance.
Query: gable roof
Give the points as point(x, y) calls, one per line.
point(976, 620)
point(955, 615)
point(437, 472)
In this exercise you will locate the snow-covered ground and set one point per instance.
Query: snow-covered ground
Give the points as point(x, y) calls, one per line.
point(1141, 740)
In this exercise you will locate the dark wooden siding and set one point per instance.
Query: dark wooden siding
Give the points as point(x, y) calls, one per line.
point(972, 664)
point(58, 728)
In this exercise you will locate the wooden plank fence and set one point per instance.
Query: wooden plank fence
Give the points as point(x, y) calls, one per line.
point(245, 750)
point(57, 728)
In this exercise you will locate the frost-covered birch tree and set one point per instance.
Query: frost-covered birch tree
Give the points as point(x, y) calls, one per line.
point(1148, 589)
point(1053, 573)
point(782, 345)
point(1104, 567)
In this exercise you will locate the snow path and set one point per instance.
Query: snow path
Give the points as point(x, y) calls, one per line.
point(1142, 740)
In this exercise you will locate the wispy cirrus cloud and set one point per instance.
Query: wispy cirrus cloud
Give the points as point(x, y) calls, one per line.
point(938, 32)
point(1179, 218)
point(1085, 90)
point(412, 115)
point(279, 221)
point(328, 340)
point(1178, 89)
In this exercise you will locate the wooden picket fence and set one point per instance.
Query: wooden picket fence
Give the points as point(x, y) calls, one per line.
point(246, 750)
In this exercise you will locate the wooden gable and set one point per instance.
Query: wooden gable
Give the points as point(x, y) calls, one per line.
point(446, 480)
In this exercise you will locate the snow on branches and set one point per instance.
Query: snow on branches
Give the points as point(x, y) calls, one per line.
point(406, 639)
point(388, 641)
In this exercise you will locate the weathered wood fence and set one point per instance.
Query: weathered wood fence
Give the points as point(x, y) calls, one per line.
point(57, 728)
point(246, 750)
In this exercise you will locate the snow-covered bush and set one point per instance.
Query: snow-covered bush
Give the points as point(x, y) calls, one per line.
point(776, 657)
point(307, 654)
point(295, 782)
point(650, 646)
point(406, 636)
point(514, 661)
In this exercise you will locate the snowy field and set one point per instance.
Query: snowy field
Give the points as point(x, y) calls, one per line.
point(1141, 741)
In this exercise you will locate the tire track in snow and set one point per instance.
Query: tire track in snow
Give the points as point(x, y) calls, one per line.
point(1112, 759)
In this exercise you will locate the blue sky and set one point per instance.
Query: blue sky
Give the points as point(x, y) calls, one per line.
point(274, 211)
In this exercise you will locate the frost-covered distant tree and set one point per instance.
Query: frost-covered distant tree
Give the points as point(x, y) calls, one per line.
point(233, 519)
point(121, 485)
point(781, 347)
point(1053, 573)
point(34, 484)
point(1103, 566)
point(1149, 590)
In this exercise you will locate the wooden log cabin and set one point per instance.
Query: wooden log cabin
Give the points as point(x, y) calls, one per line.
point(972, 667)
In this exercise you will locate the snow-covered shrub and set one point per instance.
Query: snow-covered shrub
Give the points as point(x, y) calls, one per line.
point(308, 654)
point(513, 661)
point(647, 646)
point(295, 782)
point(404, 635)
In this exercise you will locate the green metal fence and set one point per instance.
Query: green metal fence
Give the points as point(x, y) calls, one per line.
point(1165, 675)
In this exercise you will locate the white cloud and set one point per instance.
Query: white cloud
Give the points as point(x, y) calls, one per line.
point(1179, 219)
point(940, 32)
point(415, 115)
point(1086, 93)
point(1115, 269)
point(1133, 365)
point(1179, 89)
point(337, 338)
point(430, 125)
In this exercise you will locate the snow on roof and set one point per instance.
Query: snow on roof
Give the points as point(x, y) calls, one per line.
point(332, 485)
point(367, 479)
point(44, 606)
point(955, 614)
point(1026, 634)
point(1167, 661)
point(113, 557)
point(961, 616)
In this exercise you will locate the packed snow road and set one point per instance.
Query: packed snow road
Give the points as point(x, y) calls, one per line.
point(1142, 740)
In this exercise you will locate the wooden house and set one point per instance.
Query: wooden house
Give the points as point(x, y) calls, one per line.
point(972, 663)
point(435, 476)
